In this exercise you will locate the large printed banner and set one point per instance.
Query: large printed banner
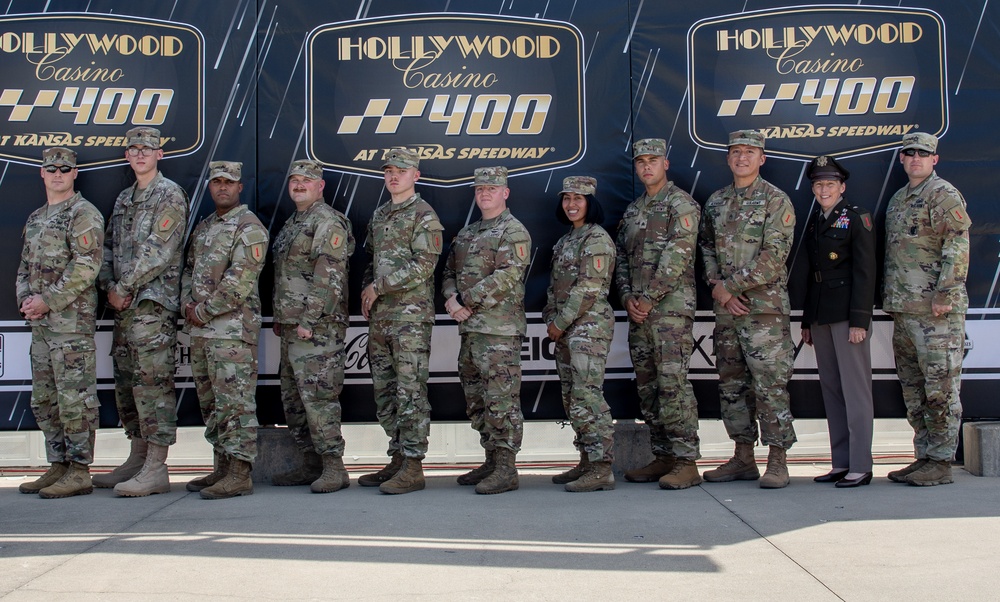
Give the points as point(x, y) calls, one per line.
point(548, 89)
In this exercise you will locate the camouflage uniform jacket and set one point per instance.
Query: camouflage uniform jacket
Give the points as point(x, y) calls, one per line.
point(311, 255)
point(926, 248)
point(577, 299)
point(144, 244)
point(403, 244)
point(60, 260)
point(745, 241)
point(657, 238)
point(220, 276)
point(487, 264)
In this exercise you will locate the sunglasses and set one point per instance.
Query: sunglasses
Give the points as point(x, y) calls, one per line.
point(59, 168)
point(912, 151)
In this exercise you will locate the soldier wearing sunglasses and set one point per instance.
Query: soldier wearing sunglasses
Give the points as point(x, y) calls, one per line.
point(926, 263)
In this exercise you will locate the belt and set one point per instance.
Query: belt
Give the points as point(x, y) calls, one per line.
point(820, 276)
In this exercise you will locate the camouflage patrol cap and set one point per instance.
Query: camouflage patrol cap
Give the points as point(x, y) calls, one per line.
point(307, 168)
point(230, 170)
point(580, 185)
point(490, 176)
point(650, 146)
point(920, 141)
point(747, 137)
point(826, 168)
point(58, 156)
point(402, 158)
point(143, 136)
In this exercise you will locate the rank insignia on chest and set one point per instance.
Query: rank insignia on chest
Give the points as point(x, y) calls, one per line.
point(522, 250)
point(833, 256)
point(842, 222)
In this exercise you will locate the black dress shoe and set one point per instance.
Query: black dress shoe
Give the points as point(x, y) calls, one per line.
point(862, 480)
point(831, 477)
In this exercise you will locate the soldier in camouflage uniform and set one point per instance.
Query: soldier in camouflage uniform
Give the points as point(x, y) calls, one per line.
point(56, 293)
point(654, 272)
point(403, 244)
point(745, 240)
point(926, 264)
point(484, 292)
point(222, 316)
point(141, 274)
point(311, 255)
point(580, 321)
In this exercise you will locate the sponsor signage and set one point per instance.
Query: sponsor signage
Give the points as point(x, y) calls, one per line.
point(82, 80)
point(464, 91)
point(833, 80)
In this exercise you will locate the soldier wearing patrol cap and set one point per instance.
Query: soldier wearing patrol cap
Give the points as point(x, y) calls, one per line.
point(56, 293)
point(403, 243)
point(222, 316)
point(745, 240)
point(484, 292)
point(836, 320)
point(580, 321)
point(654, 271)
point(926, 264)
point(311, 255)
point(143, 251)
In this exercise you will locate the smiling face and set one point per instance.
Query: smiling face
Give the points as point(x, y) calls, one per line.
point(828, 193)
point(575, 207)
point(305, 191)
point(745, 161)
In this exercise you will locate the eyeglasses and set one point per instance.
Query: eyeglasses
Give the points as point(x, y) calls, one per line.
point(913, 151)
point(59, 168)
point(144, 151)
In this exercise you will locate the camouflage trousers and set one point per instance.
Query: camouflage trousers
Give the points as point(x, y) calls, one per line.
point(225, 377)
point(581, 377)
point(145, 340)
point(489, 367)
point(312, 379)
point(399, 355)
point(928, 353)
point(755, 359)
point(64, 393)
point(661, 350)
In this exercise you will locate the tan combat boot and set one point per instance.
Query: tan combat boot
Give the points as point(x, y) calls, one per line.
point(153, 478)
point(236, 482)
point(334, 477)
point(741, 467)
point(218, 473)
point(309, 471)
point(474, 476)
point(377, 478)
point(131, 467)
point(776, 475)
point(504, 477)
point(597, 478)
point(899, 476)
point(53, 474)
point(934, 472)
point(409, 478)
point(660, 466)
point(75, 481)
point(684, 475)
point(573, 473)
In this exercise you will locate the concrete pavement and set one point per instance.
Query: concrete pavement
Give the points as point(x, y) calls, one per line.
point(718, 541)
